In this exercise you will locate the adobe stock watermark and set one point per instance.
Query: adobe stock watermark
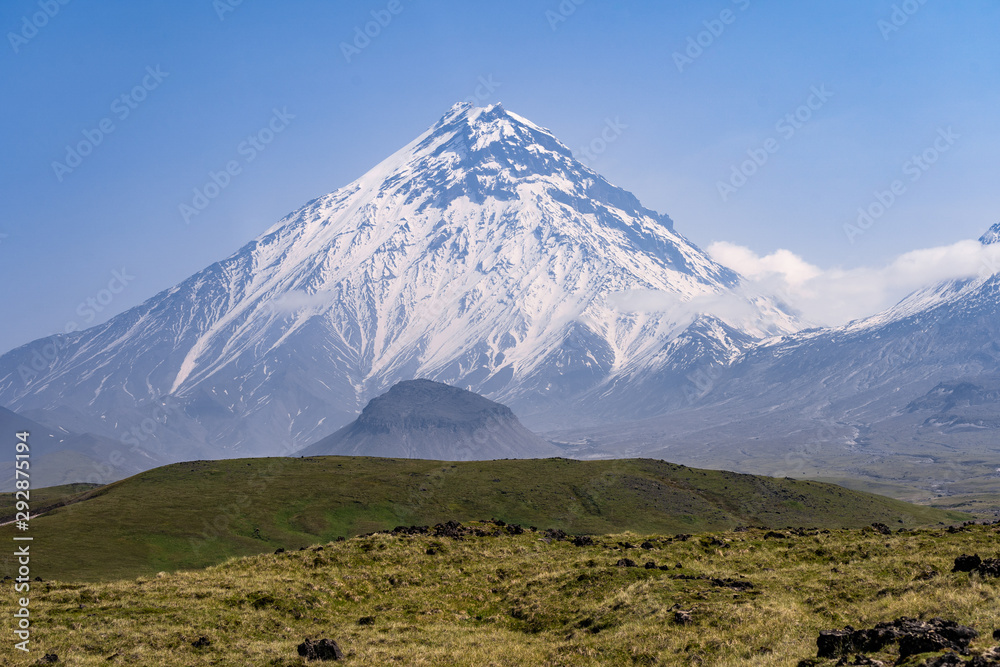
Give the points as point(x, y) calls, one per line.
point(562, 12)
point(121, 107)
point(608, 135)
point(224, 7)
point(43, 356)
point(163, 408)
point(787, 126)
point(248, 150)
point(714, 28)
point(484, 91)
point(363, 35)
point(913, 169)
point(900, 16)
point(30, 25)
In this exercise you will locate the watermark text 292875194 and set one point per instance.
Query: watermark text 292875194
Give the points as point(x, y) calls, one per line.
point(22, 584)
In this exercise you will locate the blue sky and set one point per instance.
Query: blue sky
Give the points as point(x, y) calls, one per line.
point(168, 93)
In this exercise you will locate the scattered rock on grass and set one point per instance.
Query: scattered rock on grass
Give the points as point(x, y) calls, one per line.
point(989, 568)
point(324, 649)
point(881, 528)
point(682, 617)
point(626, 562)
point(966, 563)
point(912, 636)
point(201, 642)
point(583, 541)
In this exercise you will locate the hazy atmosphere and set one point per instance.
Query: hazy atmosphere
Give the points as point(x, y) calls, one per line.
point(568, 332)
point(678, 118)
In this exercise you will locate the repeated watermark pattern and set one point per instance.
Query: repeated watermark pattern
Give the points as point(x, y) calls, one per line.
point(562, 12)
point(485, 87)
point(44, 354)
point(609, 134)
point(714, 28)
point(248, 150)
point(225, 7)
point(31, 25)
point(893, 357)
point(913, 170)
point(900, 16)
point(162, 408)
point(121, 107)
point(787, 126)
point(364, 34)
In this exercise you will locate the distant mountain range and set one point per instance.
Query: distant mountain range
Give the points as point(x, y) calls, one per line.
point(907, 398)
point(484, 256)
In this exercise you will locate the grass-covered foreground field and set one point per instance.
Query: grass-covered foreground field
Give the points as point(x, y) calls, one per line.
point(753, 598)
point(191, 515)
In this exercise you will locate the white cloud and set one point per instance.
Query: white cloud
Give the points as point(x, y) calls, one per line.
point(835, 296)
point(295, 300)
point(729, 306)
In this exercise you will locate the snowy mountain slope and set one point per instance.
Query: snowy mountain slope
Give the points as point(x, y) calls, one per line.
point(482, 255)
point(861, 400)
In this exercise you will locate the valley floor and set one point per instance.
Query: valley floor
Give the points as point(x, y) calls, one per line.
point(489, 594)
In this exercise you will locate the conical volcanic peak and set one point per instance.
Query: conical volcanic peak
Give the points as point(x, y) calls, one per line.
point(430, 420)
point(425, 403)
point(482, 254)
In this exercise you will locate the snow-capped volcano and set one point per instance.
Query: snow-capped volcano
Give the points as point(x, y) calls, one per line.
point(482, 255)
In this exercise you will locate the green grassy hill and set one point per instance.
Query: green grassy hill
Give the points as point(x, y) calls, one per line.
point(751, 598)
point(191, 515)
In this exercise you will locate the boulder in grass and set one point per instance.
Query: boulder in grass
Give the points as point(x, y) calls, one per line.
point(324, 649)
point(966, 563)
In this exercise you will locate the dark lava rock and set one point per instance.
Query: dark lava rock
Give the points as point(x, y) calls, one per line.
point(989, 568)
point(650, 565)
point(626, 545)
point(775, 535)
point(555, 534)
point(583, 541)
point(48, 658)
point(201, 642)
point(882, 528)
point(451, 529)
point(925, 643)
point(683, 617)
point(834, 643)
point(913, 637)
point(966, 563)
point(431, 551)
point(647, 545)
point(514, 529)
point(324, 649)
point(626, 562)
point(279, 550)
point(735, 584)
point(411, 530)
point(366, 620)
point(946, 660)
